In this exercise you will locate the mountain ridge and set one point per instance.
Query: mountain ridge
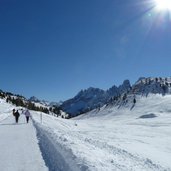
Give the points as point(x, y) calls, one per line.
point(92, 98)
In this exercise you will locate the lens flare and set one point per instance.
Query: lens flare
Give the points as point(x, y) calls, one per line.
point(163, 5)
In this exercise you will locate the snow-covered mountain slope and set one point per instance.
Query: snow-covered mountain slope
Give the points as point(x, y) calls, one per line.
point(128, 138)
point(43, 103)
point(144, 86)
point(92, 98)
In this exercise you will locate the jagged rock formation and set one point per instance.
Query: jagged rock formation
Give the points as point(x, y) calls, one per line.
point(92, 98)
point(144, 86)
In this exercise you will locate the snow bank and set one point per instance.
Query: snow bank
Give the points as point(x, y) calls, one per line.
point(5, 109)
point(56, 157)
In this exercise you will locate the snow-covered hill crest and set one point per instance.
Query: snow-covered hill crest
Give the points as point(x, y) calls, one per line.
point(144, 86)
point(45, 103)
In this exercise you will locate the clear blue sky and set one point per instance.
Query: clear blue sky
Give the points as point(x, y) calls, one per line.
point(54, 48)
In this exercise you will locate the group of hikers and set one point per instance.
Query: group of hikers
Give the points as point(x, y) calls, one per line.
point(16, 114)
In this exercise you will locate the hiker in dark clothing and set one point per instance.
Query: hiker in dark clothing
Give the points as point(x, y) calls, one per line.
point(16, 115)
point(13, 112)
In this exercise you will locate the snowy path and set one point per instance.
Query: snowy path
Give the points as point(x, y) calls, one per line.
point(19, 150)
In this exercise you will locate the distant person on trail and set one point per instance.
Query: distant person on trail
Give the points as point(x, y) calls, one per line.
point(13, 112)
point(16, 115)
point(134, 101)
point(27, 114)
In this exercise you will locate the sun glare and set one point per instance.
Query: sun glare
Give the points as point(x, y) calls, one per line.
point(163, 5)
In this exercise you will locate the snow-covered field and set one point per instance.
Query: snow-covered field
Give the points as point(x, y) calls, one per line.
point(111, 139)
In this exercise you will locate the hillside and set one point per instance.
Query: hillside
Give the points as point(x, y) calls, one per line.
point(33, 103)
point(93, 98)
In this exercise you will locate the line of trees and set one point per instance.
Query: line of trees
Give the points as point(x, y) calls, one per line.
point(19, 100)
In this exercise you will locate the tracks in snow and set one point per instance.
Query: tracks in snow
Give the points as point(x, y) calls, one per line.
point(56, 156)
point(57, 147)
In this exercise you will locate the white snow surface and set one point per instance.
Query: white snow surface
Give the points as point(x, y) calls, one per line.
point(5, 109)
point(112, 139)
point(19, 149)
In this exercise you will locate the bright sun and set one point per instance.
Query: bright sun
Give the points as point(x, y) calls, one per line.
point(163, 5)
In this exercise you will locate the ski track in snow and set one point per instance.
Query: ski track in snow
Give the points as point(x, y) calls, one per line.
point(56, 155)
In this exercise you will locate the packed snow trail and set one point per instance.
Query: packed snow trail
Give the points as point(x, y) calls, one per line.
point(19, 150)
